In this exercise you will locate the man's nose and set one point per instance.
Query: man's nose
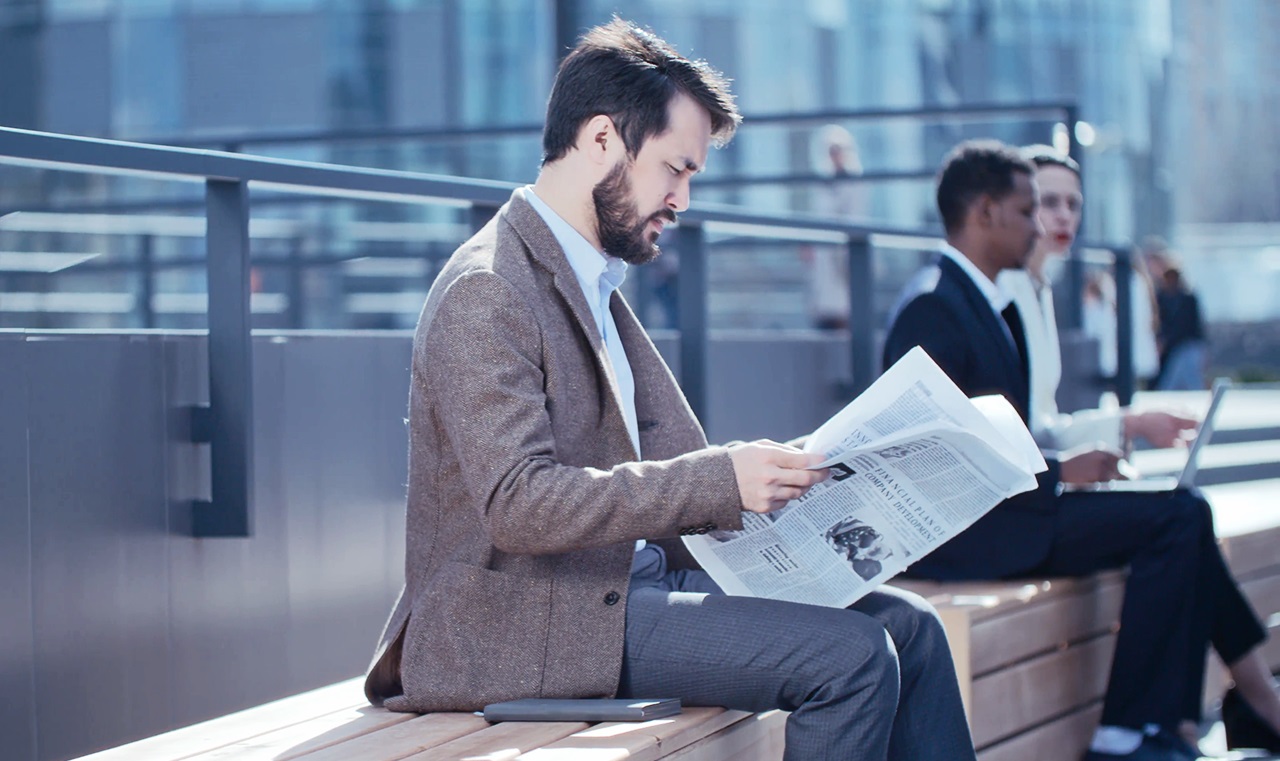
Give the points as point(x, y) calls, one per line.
point(678, 199)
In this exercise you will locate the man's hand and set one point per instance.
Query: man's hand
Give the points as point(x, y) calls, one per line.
point(771, 474)
point(1160, 429)
point(1092, 466)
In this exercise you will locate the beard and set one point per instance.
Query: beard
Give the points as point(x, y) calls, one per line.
point(622, 232)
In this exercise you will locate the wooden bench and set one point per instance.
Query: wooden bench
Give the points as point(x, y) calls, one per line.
point(336, 723)
point(1032, 657)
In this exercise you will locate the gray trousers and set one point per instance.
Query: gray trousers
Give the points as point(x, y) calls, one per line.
point(870, 683)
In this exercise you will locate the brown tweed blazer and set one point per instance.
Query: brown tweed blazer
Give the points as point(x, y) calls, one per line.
point(525, 493)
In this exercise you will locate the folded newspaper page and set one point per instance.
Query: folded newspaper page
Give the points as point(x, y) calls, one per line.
point(913, 463)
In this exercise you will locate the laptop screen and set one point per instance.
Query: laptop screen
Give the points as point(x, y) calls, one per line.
point(1188, 476)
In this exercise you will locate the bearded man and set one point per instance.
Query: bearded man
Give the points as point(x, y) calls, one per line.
point(553, 464)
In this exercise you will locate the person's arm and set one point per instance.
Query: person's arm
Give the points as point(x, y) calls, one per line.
point(1115, 428)
point(1105, 426)
point(1160, 429)
point(482, 357)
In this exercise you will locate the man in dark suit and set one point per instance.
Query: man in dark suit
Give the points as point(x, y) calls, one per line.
point(548, 437)
point(1179, 595)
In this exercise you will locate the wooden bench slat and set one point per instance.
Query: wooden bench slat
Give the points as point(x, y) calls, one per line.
point(1027, 630)
point(758, 737)
point(501, 742)
point(1264, 595)
point(1254, 555)
point(639, 741)
point(1031, 693)
point(987, 599)
point(1271, 650)
point(226, 730)
point(401, 740)
point(317, 733)
point(1063, 739)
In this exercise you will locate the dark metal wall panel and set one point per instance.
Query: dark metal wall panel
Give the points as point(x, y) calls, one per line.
point(768, 384)
point(17, 661)
point(228, 597)
point(96, 436)
point(342, 465)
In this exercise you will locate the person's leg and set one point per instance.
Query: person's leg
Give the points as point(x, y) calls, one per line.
point(837, 671)
point(929, 705)
point(1160, 537)
point(1185, 367)
point(1257, 687)
point(1236, 632)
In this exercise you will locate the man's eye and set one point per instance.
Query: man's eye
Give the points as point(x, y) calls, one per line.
point(673, 169)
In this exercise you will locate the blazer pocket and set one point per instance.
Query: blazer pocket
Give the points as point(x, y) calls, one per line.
point(475, 637)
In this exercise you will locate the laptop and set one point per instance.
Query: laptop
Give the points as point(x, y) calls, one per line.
point(1187, 477)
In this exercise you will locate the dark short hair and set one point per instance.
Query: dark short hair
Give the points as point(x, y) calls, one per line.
point(1046, 155)
point(630, 75)
point(973, 169)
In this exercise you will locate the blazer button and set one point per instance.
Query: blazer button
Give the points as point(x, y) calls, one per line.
point(611, 598)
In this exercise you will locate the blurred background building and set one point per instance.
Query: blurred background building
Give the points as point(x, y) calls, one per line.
point(1176, 104)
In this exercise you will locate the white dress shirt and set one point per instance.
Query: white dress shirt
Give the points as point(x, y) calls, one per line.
point(997, 298)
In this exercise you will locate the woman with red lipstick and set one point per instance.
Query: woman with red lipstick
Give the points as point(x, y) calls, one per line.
point(1061, 204)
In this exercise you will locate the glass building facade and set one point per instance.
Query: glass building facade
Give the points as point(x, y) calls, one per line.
point(287, 77)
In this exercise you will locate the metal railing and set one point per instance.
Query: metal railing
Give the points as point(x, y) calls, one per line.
point(225, 423)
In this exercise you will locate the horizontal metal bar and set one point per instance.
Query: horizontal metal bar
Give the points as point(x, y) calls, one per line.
point(286, 137)
point(115, 157)
point(814, 179)
point(722, 216)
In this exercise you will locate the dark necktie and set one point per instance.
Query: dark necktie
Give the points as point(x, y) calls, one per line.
point(1014, 321)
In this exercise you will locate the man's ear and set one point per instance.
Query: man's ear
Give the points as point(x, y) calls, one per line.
point(983, 211)
point(599, 139)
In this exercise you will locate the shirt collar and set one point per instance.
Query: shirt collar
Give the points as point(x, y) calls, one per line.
point(590, 265)
point(997, 298)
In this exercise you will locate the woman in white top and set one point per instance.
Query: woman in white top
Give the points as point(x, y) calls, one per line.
point(1061, 204)
point(1061, 201)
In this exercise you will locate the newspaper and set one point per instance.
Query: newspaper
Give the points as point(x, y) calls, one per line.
point(913, 463)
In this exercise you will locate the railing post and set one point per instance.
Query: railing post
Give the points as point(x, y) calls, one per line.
point(480, 215)
point(147, 286)
point(1071, 313)
point(230, 412)
point(294, 312)
point(862, 315)
point(1123, 274)
point(691, 243)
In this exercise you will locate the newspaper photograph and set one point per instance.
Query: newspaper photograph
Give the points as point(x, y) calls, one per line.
point(913, 462)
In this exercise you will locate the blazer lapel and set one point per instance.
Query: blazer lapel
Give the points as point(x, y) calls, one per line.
point(544, 249)
point(992, 326)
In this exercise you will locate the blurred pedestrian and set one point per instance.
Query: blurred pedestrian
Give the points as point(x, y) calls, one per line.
point(842, 198)
point(1183, 351)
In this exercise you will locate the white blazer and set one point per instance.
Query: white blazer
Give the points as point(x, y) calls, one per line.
point(1052, 429)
